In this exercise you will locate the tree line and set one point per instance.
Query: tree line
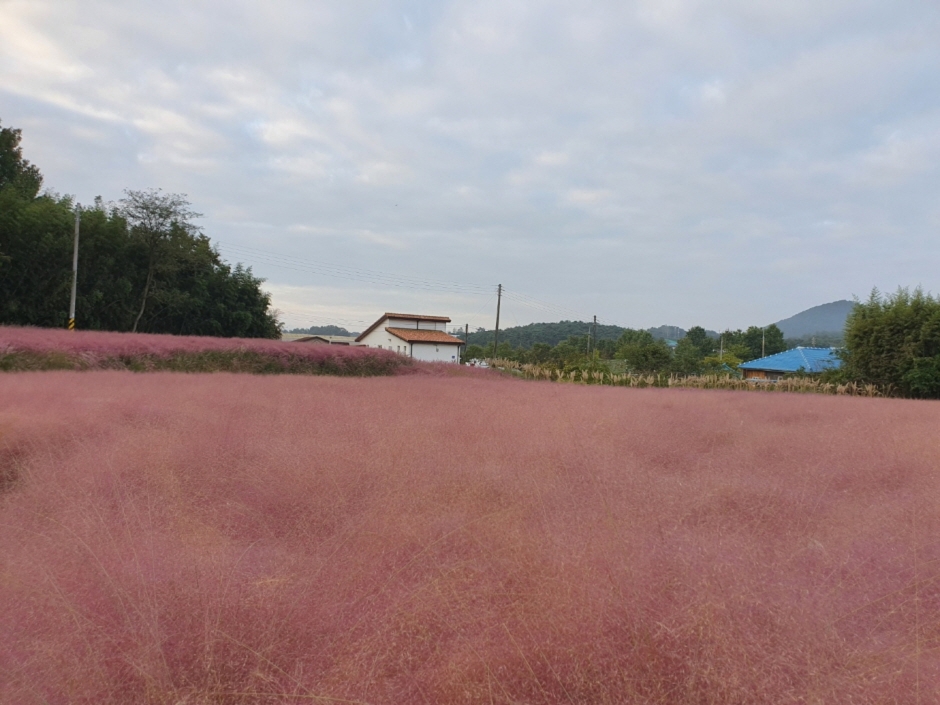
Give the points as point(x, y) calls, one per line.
point(144, 265)
point(893, 341)
point(890, 341)
point(697, 352)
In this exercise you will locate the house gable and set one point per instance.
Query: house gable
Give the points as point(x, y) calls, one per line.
point(408, 320)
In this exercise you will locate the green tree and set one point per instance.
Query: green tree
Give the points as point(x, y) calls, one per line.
point(894, 341)
point(17, 176)
point(473, 352)
point(654, 357)
point(505, 351)
point(15, 171)
point(36, 235)
point(606, 349)
point(571, 352)
point(721, 364)
point(642, 352)
point(191, 290)
point(736, 343)
point(540, 353)
point(110, 269)
point(701, 340)
point(153, 218)
point(631, 336)
point(687, 358)
point(762, 342)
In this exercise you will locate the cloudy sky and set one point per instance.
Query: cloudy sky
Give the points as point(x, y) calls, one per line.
point(722, 162)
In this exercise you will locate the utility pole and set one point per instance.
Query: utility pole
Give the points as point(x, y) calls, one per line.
point(595, 333)
point(466, 337)
point(499, 300)
point(74, 270)
point(763, 346)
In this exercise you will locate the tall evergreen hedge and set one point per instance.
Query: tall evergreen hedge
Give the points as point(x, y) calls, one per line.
point(894, 341)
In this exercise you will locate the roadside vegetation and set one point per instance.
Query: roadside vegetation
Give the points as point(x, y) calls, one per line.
point(243, 539)
point(598, 374)
point(639, 352)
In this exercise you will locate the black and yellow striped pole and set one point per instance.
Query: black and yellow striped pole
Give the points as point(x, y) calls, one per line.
point(74, 270)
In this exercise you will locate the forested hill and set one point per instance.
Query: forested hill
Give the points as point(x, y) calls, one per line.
point(548, 333)
point(827, 318)
point(323, 330)
point(554, 333)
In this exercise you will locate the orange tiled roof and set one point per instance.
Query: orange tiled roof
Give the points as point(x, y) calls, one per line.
point(412, 335)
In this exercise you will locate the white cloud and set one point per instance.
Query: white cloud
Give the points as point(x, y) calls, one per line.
point(586, 197)
point(581, 154)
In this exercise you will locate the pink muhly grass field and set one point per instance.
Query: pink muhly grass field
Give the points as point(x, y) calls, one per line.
point(98, 349)
point(224, 538)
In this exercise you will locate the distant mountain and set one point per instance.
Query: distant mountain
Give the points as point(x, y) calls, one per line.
point(827, 318)
point(322, 330)
point(667, 332)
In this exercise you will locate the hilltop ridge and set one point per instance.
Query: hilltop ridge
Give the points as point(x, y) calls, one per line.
point(825, 318)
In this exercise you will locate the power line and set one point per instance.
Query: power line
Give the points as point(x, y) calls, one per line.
point(357, 274)
point(314, 318)
point(555, 309)
point(304, 265)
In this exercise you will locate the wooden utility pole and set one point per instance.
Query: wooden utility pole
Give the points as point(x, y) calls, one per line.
point(499, 300)
point(763, 346)
point(595, 334)
point(74, 270)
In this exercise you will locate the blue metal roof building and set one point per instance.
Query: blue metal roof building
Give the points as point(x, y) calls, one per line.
point(811, 360)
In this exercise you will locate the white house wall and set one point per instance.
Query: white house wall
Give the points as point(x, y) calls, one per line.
point(429, 352)
point(410, 323)
point(381, 338)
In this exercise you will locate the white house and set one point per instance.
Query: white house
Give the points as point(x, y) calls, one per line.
point(421, 337)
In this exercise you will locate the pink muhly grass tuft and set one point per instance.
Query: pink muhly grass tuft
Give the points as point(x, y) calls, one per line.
point(241, 539)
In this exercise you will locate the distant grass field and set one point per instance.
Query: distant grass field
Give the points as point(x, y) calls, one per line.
point(25, 349)
point(170, 538)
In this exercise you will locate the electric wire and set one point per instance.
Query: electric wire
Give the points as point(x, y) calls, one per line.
point(305, 265)
point(354, 273)
point(314, 319)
